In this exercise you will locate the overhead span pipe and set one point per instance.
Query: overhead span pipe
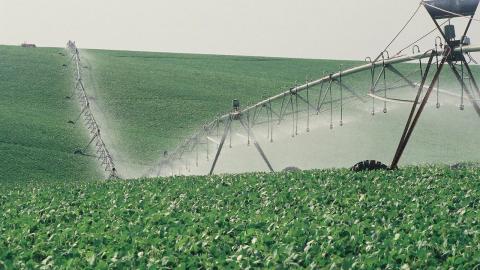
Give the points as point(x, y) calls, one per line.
point(394, 60)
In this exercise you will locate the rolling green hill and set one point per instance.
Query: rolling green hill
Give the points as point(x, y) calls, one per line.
point(146, 103)
point(153, 101)
point(36, 143)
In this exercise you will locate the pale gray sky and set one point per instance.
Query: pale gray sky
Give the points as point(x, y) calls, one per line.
point(337, 29)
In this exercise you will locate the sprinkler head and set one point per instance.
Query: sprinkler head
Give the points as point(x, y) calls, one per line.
point(308, 129)
point(373, 113)
point(384, 110)
point(438, 106)
point(341, 123)
point(462, 107)
point(331, 126)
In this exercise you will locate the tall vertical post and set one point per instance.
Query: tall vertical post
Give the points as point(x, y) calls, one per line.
point(271, 122)
point(296, 108)
point(293, 114)
point(331, 102)
point(384, 84)
point(341, 99)
point(308, 107)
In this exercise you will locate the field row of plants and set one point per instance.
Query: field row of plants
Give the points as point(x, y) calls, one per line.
point(417, 217)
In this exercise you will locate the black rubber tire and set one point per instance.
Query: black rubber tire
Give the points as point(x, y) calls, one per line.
point(291, 169)
point(369, 165)
point(464, 165)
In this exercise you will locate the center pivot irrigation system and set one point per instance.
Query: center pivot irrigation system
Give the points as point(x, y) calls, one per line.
point(449, 50)
point(102, 153)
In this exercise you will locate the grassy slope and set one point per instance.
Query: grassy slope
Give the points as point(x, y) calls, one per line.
point(151, 100)
point(154, 100)
point(36, 143)
point(420, 217)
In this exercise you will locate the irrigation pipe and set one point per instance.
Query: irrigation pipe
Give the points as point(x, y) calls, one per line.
point(91, 124)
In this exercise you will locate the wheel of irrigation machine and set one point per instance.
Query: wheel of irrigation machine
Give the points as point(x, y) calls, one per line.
point(369, 165)
point(291, 169)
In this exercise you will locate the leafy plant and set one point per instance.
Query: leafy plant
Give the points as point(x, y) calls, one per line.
point(418, 217)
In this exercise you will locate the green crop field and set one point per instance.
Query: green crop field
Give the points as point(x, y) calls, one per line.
point(414, 218)
point(36, 143)
point(53, 215)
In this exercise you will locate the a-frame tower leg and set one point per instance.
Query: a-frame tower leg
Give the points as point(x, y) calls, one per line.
point(259, 149)
point(220, 146)
point(414, 113)
point(224, 137)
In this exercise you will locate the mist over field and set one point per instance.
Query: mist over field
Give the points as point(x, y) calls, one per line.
point(446, 135)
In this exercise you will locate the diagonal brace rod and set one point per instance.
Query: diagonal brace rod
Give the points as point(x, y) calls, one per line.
point(465, 87)
point(259, 149)
point(349, 90)
point(399, 74)
point(410, 126)
point(220, 146)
